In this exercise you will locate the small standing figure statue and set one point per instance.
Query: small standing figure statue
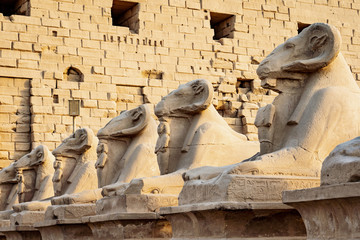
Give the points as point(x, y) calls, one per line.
point(101, 150)
point(21, 185)
point(57, 177)
point(162, 144)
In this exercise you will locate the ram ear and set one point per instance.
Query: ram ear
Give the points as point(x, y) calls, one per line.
point(323, 45)
point(140, 117)
point(203, 95)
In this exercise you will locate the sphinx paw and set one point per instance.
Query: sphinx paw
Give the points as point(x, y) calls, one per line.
point(203, 173)
point(247, 168)
point(58, 200)
point(18, 207)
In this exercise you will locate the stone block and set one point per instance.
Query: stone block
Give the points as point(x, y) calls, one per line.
point(5, 44)
point(243, 188)
point(135, 203)
point(328, 211)
point(71, 7)
point(13, 27)
point(73, 211)
point(26, 218)
point(231, 220)
point(47, 22)
point(8, 62)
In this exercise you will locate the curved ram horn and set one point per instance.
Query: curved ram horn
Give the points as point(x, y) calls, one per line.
point(320, 36)
point(144, 116)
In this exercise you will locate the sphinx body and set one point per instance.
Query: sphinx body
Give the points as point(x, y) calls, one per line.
point(75, 165)
point(191, 134)
point(125, 151)
point(316, 109)
point(343, 164)
point(34, 173)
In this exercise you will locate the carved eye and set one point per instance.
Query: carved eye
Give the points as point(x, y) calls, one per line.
point(39, 155)
point(289, 45)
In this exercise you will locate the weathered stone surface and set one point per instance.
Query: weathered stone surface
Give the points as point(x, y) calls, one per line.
point(75, 165)
point(230, 220)
point(21, 232)
point(191, 134)
point(34, 173)
point(26, 218)
point(57, 231)
point(72, 211)
point(242, 188)
point(342, 164)
point(329, 212)
point(308, 118)
point(135, 203)
point(126, 143)
point(126, 149)
point(129, 226)
point(313, 111)
point(8, 187)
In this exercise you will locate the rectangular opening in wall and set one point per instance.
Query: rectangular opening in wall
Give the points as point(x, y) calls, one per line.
point(302, 26)
point(126, 14)
point(17, 7)
point(243, 85)
point(223, 25)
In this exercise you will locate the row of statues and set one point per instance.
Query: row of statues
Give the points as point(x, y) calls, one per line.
point(138, 153)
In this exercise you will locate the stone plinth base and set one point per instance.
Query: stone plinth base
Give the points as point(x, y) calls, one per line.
point(229, 220)
point(242, 188)
point(129, 226)
point(72, 211)
point(64, 230)
point(20, 232)
point(329, 212)
point(4, 223)
point(20, 225)
point(135, 203)
point(64, 222)
point(26, 218)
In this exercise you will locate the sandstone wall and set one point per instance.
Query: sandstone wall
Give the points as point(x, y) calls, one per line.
point(70, 49)
point(14, 119)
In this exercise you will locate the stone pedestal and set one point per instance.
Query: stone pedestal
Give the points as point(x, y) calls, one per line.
point(135, 203)
point(129, 226)
point(73, 211)
point(21, 233)
point(242, 188)
point(121, 217)
point(64, 222)
point(329, 212)
point(230, 220)
point(26, 218)
point(21, 225)
point(64, 229)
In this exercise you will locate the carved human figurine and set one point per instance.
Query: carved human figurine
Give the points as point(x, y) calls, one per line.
point(102, 156)
point(192, 134)
point(75, 165)
point(34, 173)
point(343, 164)
point(316, 109)
point(161, 147)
